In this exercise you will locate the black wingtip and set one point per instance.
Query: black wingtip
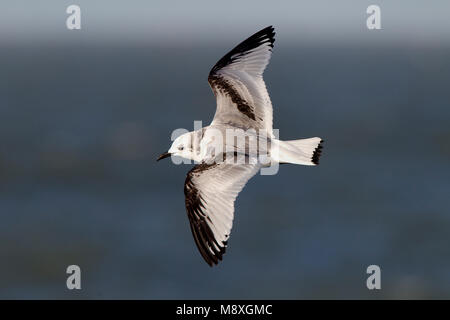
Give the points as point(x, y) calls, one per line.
point(317, 153)
point(266, 35)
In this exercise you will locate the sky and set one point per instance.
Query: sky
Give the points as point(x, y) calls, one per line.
point(191, 21)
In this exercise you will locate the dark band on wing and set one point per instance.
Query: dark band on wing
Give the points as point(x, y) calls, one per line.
point(195, 207)
point(266, 35)
point(219, 83)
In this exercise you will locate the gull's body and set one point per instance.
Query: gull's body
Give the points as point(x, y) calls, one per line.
point(243, 105)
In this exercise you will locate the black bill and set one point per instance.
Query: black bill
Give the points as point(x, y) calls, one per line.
point(164, 155)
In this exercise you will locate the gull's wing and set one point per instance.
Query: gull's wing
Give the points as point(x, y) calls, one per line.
point(237, 82)
point(210, 191)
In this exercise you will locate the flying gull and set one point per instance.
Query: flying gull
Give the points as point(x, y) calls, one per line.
point(243, 105)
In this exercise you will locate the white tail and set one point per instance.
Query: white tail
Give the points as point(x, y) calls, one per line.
point(302, 151)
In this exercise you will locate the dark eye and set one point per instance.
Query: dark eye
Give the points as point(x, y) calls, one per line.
point(180, 148)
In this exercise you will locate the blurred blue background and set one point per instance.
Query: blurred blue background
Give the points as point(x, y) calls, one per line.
point(84, 114)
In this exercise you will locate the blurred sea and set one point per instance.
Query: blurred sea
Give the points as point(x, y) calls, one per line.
point(81, 127)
